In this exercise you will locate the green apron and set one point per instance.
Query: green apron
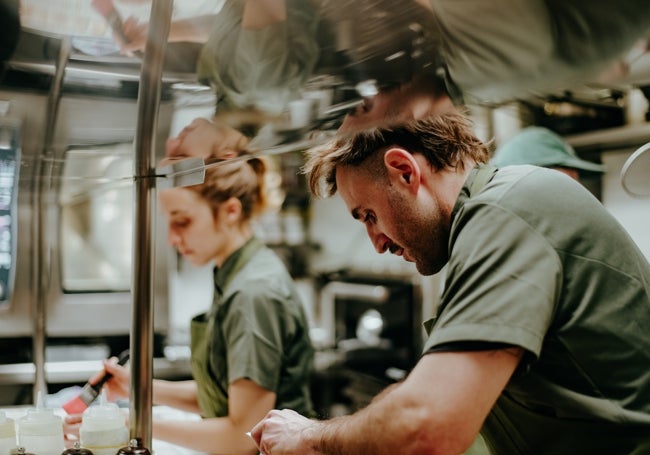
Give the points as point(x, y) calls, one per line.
point(212, 398)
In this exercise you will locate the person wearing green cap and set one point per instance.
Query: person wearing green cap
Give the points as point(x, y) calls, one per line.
point(542, 147)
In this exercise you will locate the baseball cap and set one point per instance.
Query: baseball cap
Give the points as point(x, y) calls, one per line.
point(541, 147)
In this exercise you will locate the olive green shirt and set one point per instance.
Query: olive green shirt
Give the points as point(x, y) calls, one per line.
point(262, 68)
point(499, 50)
point(256, 329)
point(537, 262)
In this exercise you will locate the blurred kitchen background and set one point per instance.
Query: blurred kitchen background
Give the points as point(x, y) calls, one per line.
point(66, 182)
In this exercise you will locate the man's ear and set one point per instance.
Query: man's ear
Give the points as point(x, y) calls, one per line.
point(402, 168)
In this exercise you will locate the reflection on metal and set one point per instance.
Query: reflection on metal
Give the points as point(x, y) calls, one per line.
point(96, 218)
point(182, 172)
point(635, 175)
point(144, 222)
point(43, 185)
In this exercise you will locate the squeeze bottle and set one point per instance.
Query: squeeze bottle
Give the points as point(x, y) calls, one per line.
point(103, 428)
point(41, 431)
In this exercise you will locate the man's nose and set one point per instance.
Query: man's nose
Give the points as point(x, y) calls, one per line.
point(379, 240)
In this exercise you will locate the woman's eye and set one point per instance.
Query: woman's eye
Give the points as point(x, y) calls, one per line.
point(180, 224)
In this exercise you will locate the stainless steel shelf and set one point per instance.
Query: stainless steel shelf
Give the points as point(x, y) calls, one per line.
point(80, 371)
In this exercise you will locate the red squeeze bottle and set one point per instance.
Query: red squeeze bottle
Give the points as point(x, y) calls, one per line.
point(90, 391)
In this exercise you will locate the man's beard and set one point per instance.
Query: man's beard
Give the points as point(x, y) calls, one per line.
point(424, 235)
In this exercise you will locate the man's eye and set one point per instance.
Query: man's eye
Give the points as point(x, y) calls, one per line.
point(369, 218)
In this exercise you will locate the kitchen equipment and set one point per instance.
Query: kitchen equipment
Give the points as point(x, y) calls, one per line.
point(68, 173)
point(635, 175)
point(9, 166)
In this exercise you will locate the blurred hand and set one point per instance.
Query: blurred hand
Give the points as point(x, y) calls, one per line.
point(281, 432)
point(117, 387)
point(71, 425)
point(135, 34)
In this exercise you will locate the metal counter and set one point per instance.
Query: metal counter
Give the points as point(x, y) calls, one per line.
point(80, 371)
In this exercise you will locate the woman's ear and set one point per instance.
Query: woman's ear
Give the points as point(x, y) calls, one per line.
point(231, 210)
point(402, 168)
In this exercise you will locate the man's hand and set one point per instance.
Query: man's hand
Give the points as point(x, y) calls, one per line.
point(285, 432)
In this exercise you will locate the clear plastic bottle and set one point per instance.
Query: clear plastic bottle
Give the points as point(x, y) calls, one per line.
point(103, 428)
point(7, 434)
point(40, 431)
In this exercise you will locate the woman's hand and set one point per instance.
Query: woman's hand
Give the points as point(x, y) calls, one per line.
point(117, 387)
point(135, 35)
point(71, 425)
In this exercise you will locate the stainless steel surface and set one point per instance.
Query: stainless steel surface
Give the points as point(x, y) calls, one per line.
point(144, 221)
point(78, 372)
point(635, 175)
point(45, 186)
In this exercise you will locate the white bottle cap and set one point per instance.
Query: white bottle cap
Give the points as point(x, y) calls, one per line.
point(103, 416)
point(40, 421)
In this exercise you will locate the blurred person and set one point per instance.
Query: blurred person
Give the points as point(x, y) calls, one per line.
point(261, 53)
point(204, 138)
point(251, 350)
point(256, 53)
point(540, 340)
point(540, 146)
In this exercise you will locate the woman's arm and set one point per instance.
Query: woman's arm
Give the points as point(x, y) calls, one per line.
point(262, 13)
point(193, 30)
point(248, 403)
point(176, 394)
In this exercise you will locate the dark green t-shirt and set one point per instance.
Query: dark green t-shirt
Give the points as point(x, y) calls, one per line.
point(257, 329)
point(537, 262)
point(500, 50)
point(264, 68)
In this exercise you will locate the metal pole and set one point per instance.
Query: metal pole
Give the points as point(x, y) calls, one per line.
point(40, 203)
point(141, 342)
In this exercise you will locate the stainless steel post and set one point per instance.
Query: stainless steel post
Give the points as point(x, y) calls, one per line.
point(42, 188)
point(144, 216)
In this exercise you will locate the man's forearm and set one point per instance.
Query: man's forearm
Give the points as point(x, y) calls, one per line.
point(387, 426)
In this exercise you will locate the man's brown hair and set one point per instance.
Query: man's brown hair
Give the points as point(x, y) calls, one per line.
point(446, 140)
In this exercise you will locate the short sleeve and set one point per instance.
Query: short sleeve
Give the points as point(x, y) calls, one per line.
point(253, 333)
point(502, 281)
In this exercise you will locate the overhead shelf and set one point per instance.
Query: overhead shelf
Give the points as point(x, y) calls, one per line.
point(627, 136)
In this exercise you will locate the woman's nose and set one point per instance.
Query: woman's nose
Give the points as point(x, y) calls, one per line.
point(173, 238)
